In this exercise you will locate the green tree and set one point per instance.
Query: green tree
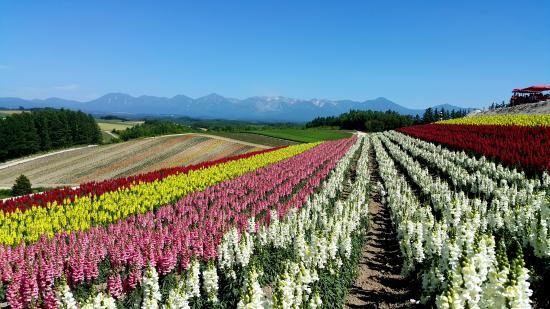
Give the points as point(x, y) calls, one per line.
point(428, 115)
point(21, 186)
point(45, 129)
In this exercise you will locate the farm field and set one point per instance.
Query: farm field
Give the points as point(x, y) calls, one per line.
point(383, 219)
point(5, 112)
point(122, 159)
point(255, 138)
point(109, 125)
point(303, 135)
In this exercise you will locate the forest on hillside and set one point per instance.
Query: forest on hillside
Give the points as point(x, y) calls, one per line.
point(374, 121)
point(368, 121)
point(45, 129)
point(152, 128)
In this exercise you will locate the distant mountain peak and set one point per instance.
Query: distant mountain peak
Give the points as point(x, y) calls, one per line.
point(213, 95)
point(259, 108)
point(117, 95)
point(381, 99)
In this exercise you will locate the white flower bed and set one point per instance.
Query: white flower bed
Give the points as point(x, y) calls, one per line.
point(521, 209)
point(449, 246)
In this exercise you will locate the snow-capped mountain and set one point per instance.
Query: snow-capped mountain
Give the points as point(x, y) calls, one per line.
point(259, 108)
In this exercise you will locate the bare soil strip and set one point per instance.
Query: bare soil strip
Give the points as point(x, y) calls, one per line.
point(379, 283)
point(34, 157)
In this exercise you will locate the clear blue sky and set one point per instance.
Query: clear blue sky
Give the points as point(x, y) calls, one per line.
point(416, 53)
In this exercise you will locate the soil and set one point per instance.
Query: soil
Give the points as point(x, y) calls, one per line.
point(379, 283)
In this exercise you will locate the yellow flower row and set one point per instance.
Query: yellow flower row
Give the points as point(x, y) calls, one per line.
point(86, 212)
point(514, 120)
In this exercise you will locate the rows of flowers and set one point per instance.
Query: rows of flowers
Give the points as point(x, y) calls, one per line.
point(68, 195)
point(503, 120)
point(89, 211)
point(109, 262)
point(528, 147)
point(474, 165)
point(521, 212)
point(447, 241)
point(317, 239)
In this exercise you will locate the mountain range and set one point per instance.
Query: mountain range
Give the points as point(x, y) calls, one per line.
point(259, 108)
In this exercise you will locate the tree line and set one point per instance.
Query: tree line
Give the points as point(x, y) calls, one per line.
point(45, 129)
point(374, 121)
point(369, 121)
point(151, 128)
point(434, 114)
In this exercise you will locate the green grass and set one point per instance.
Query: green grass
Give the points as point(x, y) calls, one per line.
point(5, 193)
point(303, 135)
point(109, 125)
point(253, 138)
point(107, 138)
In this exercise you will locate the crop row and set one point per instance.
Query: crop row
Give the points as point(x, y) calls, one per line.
point(528, 147)
point(521, 212)
point(446, 239)
point(90, 211)
point(164, 241)
point(67, 195)
point(315, 248)
point(473, 165)
point(502, 120)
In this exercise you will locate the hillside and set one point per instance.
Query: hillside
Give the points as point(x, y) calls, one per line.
point(531, 108)
point(87, 164)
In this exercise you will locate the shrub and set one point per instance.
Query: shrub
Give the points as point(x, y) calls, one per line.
point(21, 186)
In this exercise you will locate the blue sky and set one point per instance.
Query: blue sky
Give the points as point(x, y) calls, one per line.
point(416, 53)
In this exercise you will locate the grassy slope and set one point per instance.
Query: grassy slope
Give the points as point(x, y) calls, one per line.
point(303, 135)
point(5, 193)
point(7, 112)
point(108, 125)
point(254, 138)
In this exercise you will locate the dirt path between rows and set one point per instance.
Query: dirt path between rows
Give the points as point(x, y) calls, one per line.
point(379, 283)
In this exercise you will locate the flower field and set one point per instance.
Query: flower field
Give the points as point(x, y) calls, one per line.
point(209, 235)
point(503, 120)
point(491, 173)
point(283, 228)
point(464, 223)
point(520, 146)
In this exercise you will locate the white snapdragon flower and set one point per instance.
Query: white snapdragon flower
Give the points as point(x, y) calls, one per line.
point(65, 298)
point(316, 301)
point(100, 301)
point(210, 282)
point(151, 289)
point(193, 279)
point(252, 295)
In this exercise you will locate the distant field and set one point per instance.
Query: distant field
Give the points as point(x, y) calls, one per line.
point(303, 135)
point(255, 138)
point(6, 112)
point(109, 125)
point(107, 136)
point(122, 159)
